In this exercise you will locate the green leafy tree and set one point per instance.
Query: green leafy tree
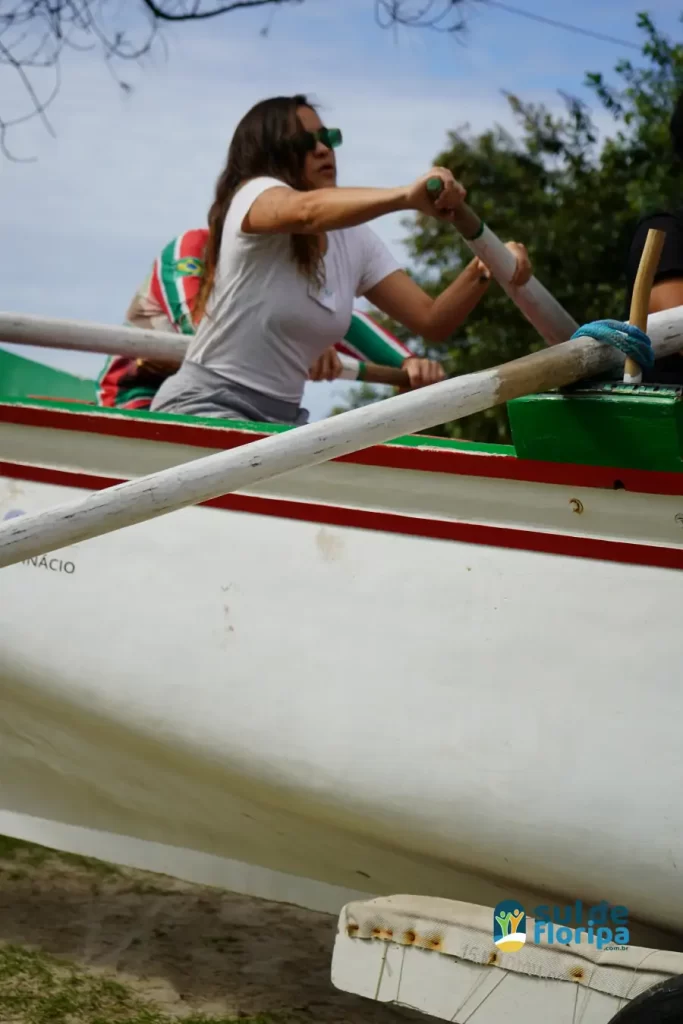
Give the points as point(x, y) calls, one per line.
point(570, 196)
point(360, 395)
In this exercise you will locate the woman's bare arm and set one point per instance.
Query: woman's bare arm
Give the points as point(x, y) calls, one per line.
point(289, 211)
point(433, 319)
point(436, 319)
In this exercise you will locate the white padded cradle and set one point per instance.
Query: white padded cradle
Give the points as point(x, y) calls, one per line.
point(438, 956)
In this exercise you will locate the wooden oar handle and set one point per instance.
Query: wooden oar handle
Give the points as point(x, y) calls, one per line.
point(394, 375)
point(640, 300)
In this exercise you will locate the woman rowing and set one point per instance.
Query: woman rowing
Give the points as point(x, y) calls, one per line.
point(287, 253)
point(167, 299)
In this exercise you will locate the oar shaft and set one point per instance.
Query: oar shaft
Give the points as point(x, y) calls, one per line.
point(132, 342)
point(203, 479)
point(541, 309)
point(136, 343)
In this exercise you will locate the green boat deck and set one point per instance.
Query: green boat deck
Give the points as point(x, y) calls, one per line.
point(24, 378)
point(596, 423)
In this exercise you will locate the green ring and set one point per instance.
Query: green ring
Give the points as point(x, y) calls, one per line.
point(479, 233)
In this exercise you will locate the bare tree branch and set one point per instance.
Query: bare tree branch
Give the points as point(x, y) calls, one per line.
point(441, 15)
point(162, 12)
point(35, 33)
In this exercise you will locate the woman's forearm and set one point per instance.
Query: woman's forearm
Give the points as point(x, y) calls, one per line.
point(455, 304)
point(330, 209)
point(291, 211)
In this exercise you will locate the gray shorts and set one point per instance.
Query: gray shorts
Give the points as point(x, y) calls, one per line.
point(197, 391)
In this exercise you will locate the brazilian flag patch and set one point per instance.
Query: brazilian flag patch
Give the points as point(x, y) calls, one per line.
point(189, 266)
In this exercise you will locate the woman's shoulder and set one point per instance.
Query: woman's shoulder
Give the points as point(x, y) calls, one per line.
point(236, 242)
point(269, 179)
point(250, 189)
point(245, 196)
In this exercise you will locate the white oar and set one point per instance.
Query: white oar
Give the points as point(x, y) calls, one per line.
point(76, 335)
point(136, 343)
point(249, 464)
point(543, 312)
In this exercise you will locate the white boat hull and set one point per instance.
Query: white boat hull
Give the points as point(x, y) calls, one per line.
point(375, 710)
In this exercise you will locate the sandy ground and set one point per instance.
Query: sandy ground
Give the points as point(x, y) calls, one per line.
point(185, 949)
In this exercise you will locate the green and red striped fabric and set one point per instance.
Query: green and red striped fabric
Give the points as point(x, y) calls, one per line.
point(177, 277)
point(366, 340)
point(170, 292)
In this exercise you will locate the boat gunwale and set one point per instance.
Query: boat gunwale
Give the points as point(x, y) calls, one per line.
point(418, 452)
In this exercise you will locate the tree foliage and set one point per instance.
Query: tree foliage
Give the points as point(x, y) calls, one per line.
point(360, 396)
point(572, 196)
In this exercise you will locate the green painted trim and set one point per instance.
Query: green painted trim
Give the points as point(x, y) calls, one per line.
point(452, 444)
point(602, 424)
point(409, 440)
point(145, 414)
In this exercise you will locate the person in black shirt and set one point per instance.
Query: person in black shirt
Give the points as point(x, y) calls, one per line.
point(667, 291)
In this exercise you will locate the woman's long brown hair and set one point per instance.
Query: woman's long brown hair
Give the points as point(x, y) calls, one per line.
point(259, 148)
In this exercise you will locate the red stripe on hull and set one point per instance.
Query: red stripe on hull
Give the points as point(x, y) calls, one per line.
point(390, 522)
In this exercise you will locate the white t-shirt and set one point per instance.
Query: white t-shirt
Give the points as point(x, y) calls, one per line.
point(265, 324)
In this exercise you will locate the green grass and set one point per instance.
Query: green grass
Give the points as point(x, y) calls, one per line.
point(36, 988)
point(19, 852)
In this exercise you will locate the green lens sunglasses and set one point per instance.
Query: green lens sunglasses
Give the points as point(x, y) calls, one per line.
point(330, 137)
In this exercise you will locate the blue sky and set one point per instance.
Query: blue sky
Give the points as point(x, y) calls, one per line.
point(81, 224)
